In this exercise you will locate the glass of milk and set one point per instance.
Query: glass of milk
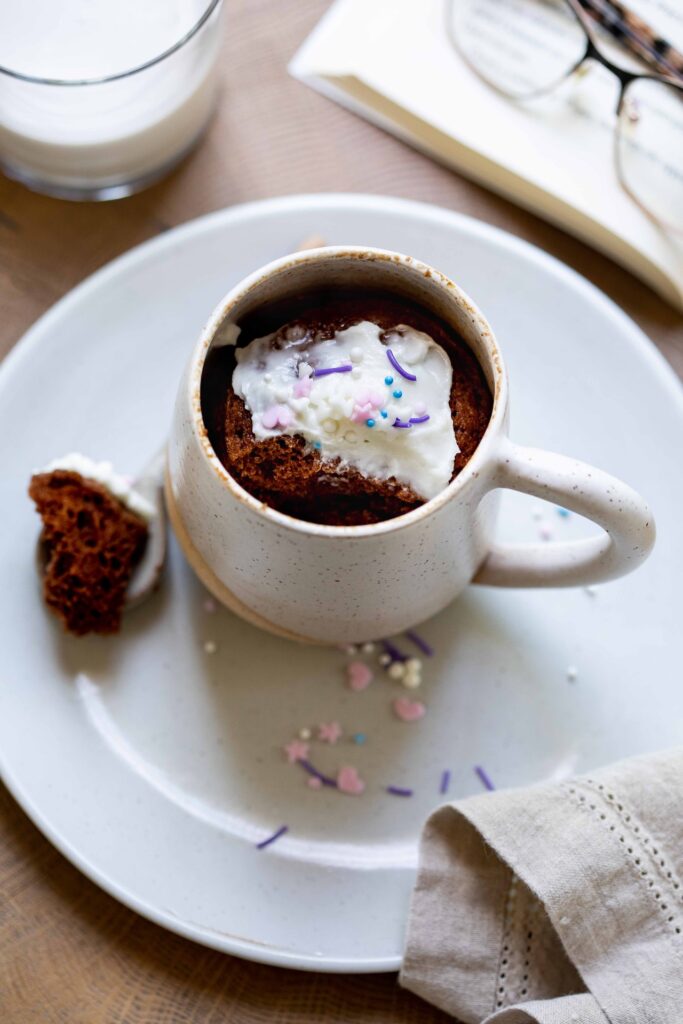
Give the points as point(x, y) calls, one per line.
point(99, 98)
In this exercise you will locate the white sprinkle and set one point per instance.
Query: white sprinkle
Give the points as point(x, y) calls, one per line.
point(304, 734)
point(591, 591)
point(210, 647)
point(414, 665)
point(368, 648)
point(330, 426)
point(411, 682)
point(209, 606)
point(304, 370)
point(356, 372)
point(397, 670)
point(350, 649)
point(267, 377)
point(572, 673)
point(351, 437)
point(385, 659)
point(282, 394)
point(356, 355)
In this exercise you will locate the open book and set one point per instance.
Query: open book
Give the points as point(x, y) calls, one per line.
point(392, 61)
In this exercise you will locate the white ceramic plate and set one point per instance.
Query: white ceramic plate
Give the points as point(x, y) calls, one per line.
point(156, 768)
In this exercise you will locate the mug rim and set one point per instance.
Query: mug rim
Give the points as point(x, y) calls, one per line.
point(470, 472)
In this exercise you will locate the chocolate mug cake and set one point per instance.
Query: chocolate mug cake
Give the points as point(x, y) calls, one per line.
point(344, 407)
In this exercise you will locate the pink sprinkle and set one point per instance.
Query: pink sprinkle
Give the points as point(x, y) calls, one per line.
point(359, 676)
point(349, 781)
point(277, 416)
point(544, 532)
point(209, 606)
point(296, 750)
point(314, 782)
point(408, 710)
point(329, 732)
point(362, 412)
point(302, 388)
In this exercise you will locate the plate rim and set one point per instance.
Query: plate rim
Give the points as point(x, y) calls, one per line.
point(225, 219)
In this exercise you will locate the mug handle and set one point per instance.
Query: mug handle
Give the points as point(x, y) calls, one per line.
point(621, 512)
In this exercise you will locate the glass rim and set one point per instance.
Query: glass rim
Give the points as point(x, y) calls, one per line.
point(70, 82)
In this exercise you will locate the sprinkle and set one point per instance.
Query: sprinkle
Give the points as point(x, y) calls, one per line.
point(419, 419)
point(484, 777)
point(388, 381)
point(415, 664)
point(329, 732)
point(393, 651)
point(356, 354)
point(277, 416)
point(591, 591)
point(408, 710)
point(349, 649)
point(397, 366)
point(271, 839)
point(305, 733)
point(384, 414)
point(445, 781)
point(302, 388)
point(345, 368)
point(421, 644)
point(359, 675)
point(317, 445)
point(368, 648)
point(384, 660)
point(397, 670)
point(564, 512)
point(209, 606)
point(359, 738)
point(369, 423)
point(544, 532)
point(572, 673)
point(397, 393)
point(349, 781)
point(210, 647)
point(296, 750)
point(412, 681)
point(399, 791)
point(399, 423)
point(324, 779)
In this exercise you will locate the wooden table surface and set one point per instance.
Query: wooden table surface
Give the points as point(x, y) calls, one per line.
point(68, 952)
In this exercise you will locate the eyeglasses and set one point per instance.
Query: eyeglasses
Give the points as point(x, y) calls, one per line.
point(527, 48)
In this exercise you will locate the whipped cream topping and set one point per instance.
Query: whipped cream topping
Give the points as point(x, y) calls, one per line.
point(103, 473)
point(376, 400)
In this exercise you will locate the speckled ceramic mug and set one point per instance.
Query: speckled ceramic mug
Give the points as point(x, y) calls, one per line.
point(332, 584)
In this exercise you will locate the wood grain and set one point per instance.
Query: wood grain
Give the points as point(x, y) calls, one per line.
point(68, 952)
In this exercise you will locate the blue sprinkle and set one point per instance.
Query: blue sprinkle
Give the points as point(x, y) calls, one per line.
point(384, 414)
point(398, 393)
point(359, 738)
point(369, 423)
point(317, 444)
point(388, 380)
point(564, 512)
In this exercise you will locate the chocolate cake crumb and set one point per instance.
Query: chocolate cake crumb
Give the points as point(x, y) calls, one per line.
point(92, 543)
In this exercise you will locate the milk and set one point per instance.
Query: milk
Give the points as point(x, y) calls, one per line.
point(107, 135)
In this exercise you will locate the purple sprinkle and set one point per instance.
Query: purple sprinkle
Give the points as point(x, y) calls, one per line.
point(271, 839)
point(399, 791)
point(393, 651)
point(346, 368)
point(399, 423)
point(312, 770)
point(397, 366)
point(419, 419)
point(445, 781)
point(421, 644)
point(484, 776)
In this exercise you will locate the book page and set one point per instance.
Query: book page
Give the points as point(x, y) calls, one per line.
point(553, 153)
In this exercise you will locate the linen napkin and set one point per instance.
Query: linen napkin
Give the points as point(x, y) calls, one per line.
point(557, 904)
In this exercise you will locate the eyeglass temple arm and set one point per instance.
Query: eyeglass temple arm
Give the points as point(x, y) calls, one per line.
point(636, 35)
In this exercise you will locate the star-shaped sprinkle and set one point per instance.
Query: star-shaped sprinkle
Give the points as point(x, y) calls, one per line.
point(296, 750)
point(329, 732)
